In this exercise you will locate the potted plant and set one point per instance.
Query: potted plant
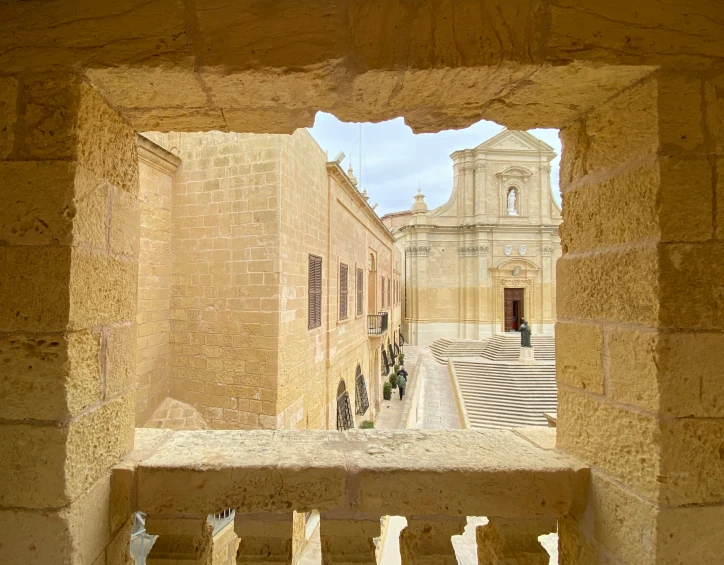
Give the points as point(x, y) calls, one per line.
point(397, 369)
point(401, 358)
point(367, 424)
point(393, 380)
point(387, 391)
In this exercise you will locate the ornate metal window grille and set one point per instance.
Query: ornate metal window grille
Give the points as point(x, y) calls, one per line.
point(343, 280)
point(397, 350)
point(385, 361)
point(389, 350)
point(345, 420)
point(314, 316)
point(360, 291)
point(362, 402)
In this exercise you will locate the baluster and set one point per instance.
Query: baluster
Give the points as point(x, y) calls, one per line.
point(505, 541)
point(428, 542)
point(264, 538)
point(347, 541)
point(182, 540)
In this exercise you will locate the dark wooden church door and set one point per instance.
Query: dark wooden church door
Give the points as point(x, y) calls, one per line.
point(513, 308)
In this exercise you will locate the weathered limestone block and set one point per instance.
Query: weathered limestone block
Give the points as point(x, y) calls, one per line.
point(345, 542)
point(428, 541)
point(513, 542)
point(181, 540)
point(264, 538)
point(485, 472)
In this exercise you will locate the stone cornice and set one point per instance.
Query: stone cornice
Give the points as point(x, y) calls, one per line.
point(156, 156)
point(336, 171)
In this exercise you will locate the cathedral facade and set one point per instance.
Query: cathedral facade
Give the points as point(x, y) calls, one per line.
point(479, 264)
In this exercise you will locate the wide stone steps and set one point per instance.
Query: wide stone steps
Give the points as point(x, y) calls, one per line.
point(506, 347)
point(443, 349)
point(506, 394)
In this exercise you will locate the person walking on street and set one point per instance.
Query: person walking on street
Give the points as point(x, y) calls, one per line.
point(402, 372)
point(401, 384)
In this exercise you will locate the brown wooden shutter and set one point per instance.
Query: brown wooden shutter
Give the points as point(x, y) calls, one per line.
point(343, 279)
point(360, 291)
point(314, 317)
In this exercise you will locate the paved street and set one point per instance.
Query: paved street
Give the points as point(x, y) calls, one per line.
point(437, 410)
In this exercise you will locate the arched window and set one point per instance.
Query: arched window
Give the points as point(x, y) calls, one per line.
point(385, 367)
point(390, 352)
point(362, 402)
point(345, 421)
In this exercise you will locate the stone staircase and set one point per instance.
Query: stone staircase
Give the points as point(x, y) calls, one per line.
point(506, 394)
point(442, 349)
point(506, 347)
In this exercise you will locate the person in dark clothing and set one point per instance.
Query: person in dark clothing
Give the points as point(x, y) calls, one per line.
point(401, 384)
point(402, 372)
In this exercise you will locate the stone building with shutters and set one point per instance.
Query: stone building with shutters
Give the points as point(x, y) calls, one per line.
point(486, 259)
point(267, 285)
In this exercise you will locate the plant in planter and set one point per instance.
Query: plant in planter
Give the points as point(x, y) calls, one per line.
point(367, 424)
point(397, 369)
point(401, 358)
point(393, 380)
point(387, 391)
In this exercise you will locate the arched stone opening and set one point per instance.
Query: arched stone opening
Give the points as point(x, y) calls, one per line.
point(345, 419)
point(361, 398)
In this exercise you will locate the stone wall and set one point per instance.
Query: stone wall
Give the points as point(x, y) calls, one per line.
point(224, 282)
point(153, 366)
point(324, 214)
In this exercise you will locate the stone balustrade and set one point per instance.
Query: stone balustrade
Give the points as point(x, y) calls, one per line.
point(434, 478)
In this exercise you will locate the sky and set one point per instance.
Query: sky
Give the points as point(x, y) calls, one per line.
point(395, 160)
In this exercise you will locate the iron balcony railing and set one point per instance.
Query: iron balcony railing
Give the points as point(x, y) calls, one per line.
point(377, 323)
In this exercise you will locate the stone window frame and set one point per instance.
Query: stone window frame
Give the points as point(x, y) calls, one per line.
point(343, 291)
point(345, 420)
point(361, 399)
point(314, 291)
point(360, 289)
point(516, 177)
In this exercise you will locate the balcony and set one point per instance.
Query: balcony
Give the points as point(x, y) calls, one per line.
point(434, 478)
point(377, 323)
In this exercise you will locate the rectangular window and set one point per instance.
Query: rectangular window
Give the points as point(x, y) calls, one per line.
point(343, 279)
point(389, 291)
point(360, 292)
point(314, 316)
point(383, 293)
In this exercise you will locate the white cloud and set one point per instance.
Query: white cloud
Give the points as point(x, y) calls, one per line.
point(395, 160)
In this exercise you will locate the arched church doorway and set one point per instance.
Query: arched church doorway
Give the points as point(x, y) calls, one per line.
point(345, 420)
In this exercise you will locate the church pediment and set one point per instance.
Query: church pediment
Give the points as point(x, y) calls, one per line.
point(509, 140)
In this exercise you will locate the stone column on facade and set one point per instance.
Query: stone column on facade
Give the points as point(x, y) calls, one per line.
point(182, 540)
point(485, 310)
point(346, 541)
point(264, 538)
point(507, 542)
point(641, 323)
point(69, 227)
point(429, 541)
point(469, 201)
point(547, 283)
point(480, 191)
